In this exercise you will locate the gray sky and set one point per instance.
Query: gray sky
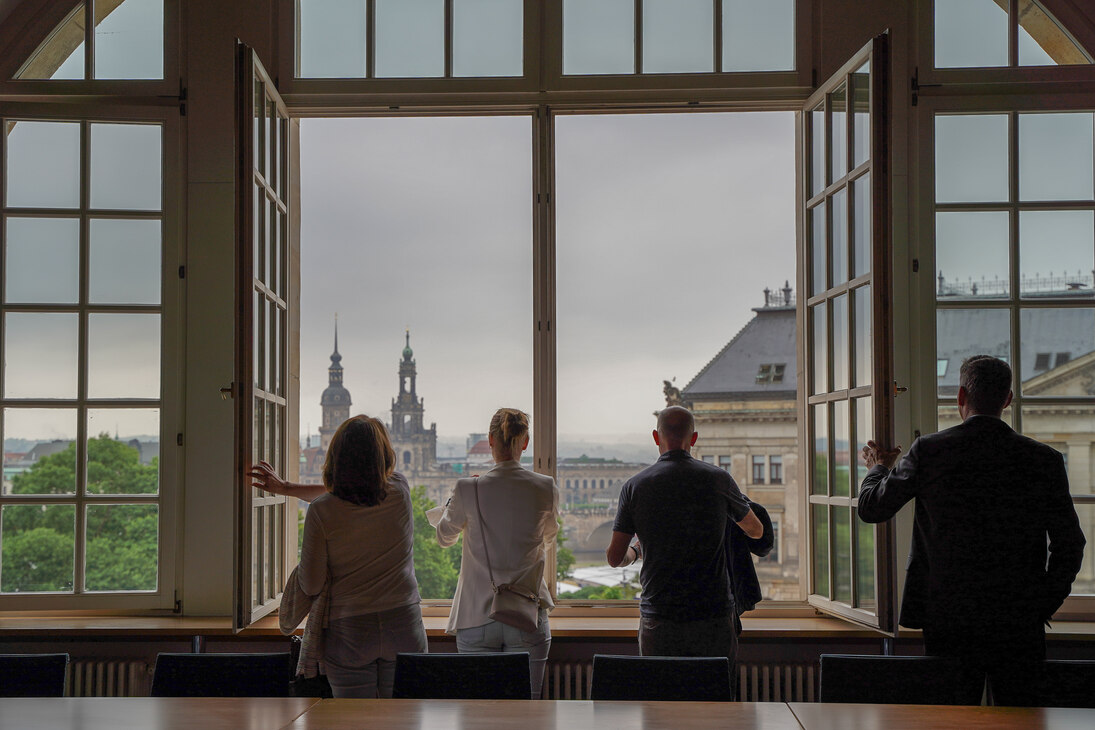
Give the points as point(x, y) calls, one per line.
point(669, 227)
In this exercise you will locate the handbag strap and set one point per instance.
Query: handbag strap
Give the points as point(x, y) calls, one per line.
point(483, 531)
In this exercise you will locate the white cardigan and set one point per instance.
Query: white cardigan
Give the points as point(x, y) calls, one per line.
point(521, 511)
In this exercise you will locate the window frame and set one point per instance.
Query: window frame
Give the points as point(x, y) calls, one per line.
point(955, 99)
point(170, 403)
point(36, 21)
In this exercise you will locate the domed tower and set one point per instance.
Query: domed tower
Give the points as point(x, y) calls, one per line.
point(335, 400)
point(415, 445)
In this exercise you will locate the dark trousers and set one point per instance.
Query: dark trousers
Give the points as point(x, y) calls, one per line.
point(710, 637)
point(1010, 658)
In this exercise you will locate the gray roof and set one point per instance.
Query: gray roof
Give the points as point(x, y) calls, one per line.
point(1058, 334)
point(768, 338)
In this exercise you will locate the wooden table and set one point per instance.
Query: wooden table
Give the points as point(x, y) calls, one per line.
point(151, 713)
point(818, 716)
point(210, 713)
point(544, 715)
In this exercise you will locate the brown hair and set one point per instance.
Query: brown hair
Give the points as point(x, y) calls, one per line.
point(510, 427)
point(360, 461)
point(987, 381)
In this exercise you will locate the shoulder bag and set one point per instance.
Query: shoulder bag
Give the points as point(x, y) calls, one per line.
point(512, 604)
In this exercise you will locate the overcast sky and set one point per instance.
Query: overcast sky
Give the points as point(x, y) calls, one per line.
point(669, 227)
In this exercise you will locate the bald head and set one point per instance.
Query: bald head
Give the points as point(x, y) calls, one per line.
point(675, 427)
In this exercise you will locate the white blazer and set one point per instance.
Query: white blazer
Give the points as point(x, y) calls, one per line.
point(521, 511)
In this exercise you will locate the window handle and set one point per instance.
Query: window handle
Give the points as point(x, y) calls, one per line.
point(229, 392)
point(899, 388)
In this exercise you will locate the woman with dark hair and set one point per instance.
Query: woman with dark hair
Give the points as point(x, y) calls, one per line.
point(358, 534)
point(508, 516)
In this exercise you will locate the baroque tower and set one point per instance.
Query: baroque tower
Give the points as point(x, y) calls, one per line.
point(415, 445)
point(335, 400)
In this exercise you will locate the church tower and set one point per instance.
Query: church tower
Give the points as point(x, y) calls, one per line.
point(415, 445)
point(335, 400)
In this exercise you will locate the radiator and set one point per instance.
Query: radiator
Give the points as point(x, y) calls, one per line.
point(108, 678)
point(777, 682)
point(756, 682)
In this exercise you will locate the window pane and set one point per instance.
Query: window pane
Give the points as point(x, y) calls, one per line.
point(43, 167)
point(410, 38)
point(332, 37)
point(820, 416)
point(1056, 252)
point(817, 150)
point(42, 260)
point(838, 243)
point(861, 108)
point(129, 40)
point(838, 101)
point(678, 36)
point(450, 199)
point(37, 544)
point(971, 158)
point(961, 333)
point(1042, 41)
point(40, 355)
point(842, 554)
point(39, 451)
point(818, 249)
point(861, 225)
point(598, 37)
point(1055, 156)
point(1060, 336)
point(123, 356)
point(123, 450)
point(488, 38)
point(864, 562)
point(820, 546)
point(820, 349)
point(61, 55)
point(970, 33)
point(758, 36)
point(840, 342)
point(842, 442)
point(1071, 430)
point(124, 261)
point(125, 167)
point(863, 344)
point(864, 432)
point(122, 547)
point(971, 254)
point(1084, 585)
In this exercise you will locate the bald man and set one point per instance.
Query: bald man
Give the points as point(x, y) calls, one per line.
point(679, 508)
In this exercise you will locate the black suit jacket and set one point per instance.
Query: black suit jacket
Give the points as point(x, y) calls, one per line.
point(986, 500)
point(740, 549)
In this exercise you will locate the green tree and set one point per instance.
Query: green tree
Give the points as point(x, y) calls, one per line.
point(122, 541)
point(436, 568)
point(564, 556)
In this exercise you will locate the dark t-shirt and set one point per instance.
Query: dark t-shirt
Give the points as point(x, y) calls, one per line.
point(679, 508)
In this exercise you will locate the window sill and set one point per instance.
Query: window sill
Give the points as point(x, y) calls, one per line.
point(581, 627)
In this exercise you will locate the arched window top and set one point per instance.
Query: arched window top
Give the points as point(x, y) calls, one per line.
point(126, 41)
point(978, 34)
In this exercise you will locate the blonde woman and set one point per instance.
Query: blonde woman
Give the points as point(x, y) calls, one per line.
point(520, 511)
point(359, 531)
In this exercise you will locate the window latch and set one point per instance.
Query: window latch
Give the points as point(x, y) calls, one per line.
point(229, 392)
point(899, 388)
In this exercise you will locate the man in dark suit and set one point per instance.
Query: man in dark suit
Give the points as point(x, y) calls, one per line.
point(979, 581)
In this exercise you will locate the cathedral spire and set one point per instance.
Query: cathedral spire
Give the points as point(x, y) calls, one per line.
point(335, 357)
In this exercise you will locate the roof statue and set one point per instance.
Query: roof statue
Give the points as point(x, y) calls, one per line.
point(672, 394)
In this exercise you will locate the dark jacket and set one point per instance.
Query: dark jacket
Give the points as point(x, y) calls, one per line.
point(740, 549)
point(987, 502)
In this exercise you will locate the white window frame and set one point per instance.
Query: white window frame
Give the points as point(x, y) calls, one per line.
point(171, 367)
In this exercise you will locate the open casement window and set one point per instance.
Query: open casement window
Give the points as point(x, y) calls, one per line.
point(265, 402)
point(845, 317)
